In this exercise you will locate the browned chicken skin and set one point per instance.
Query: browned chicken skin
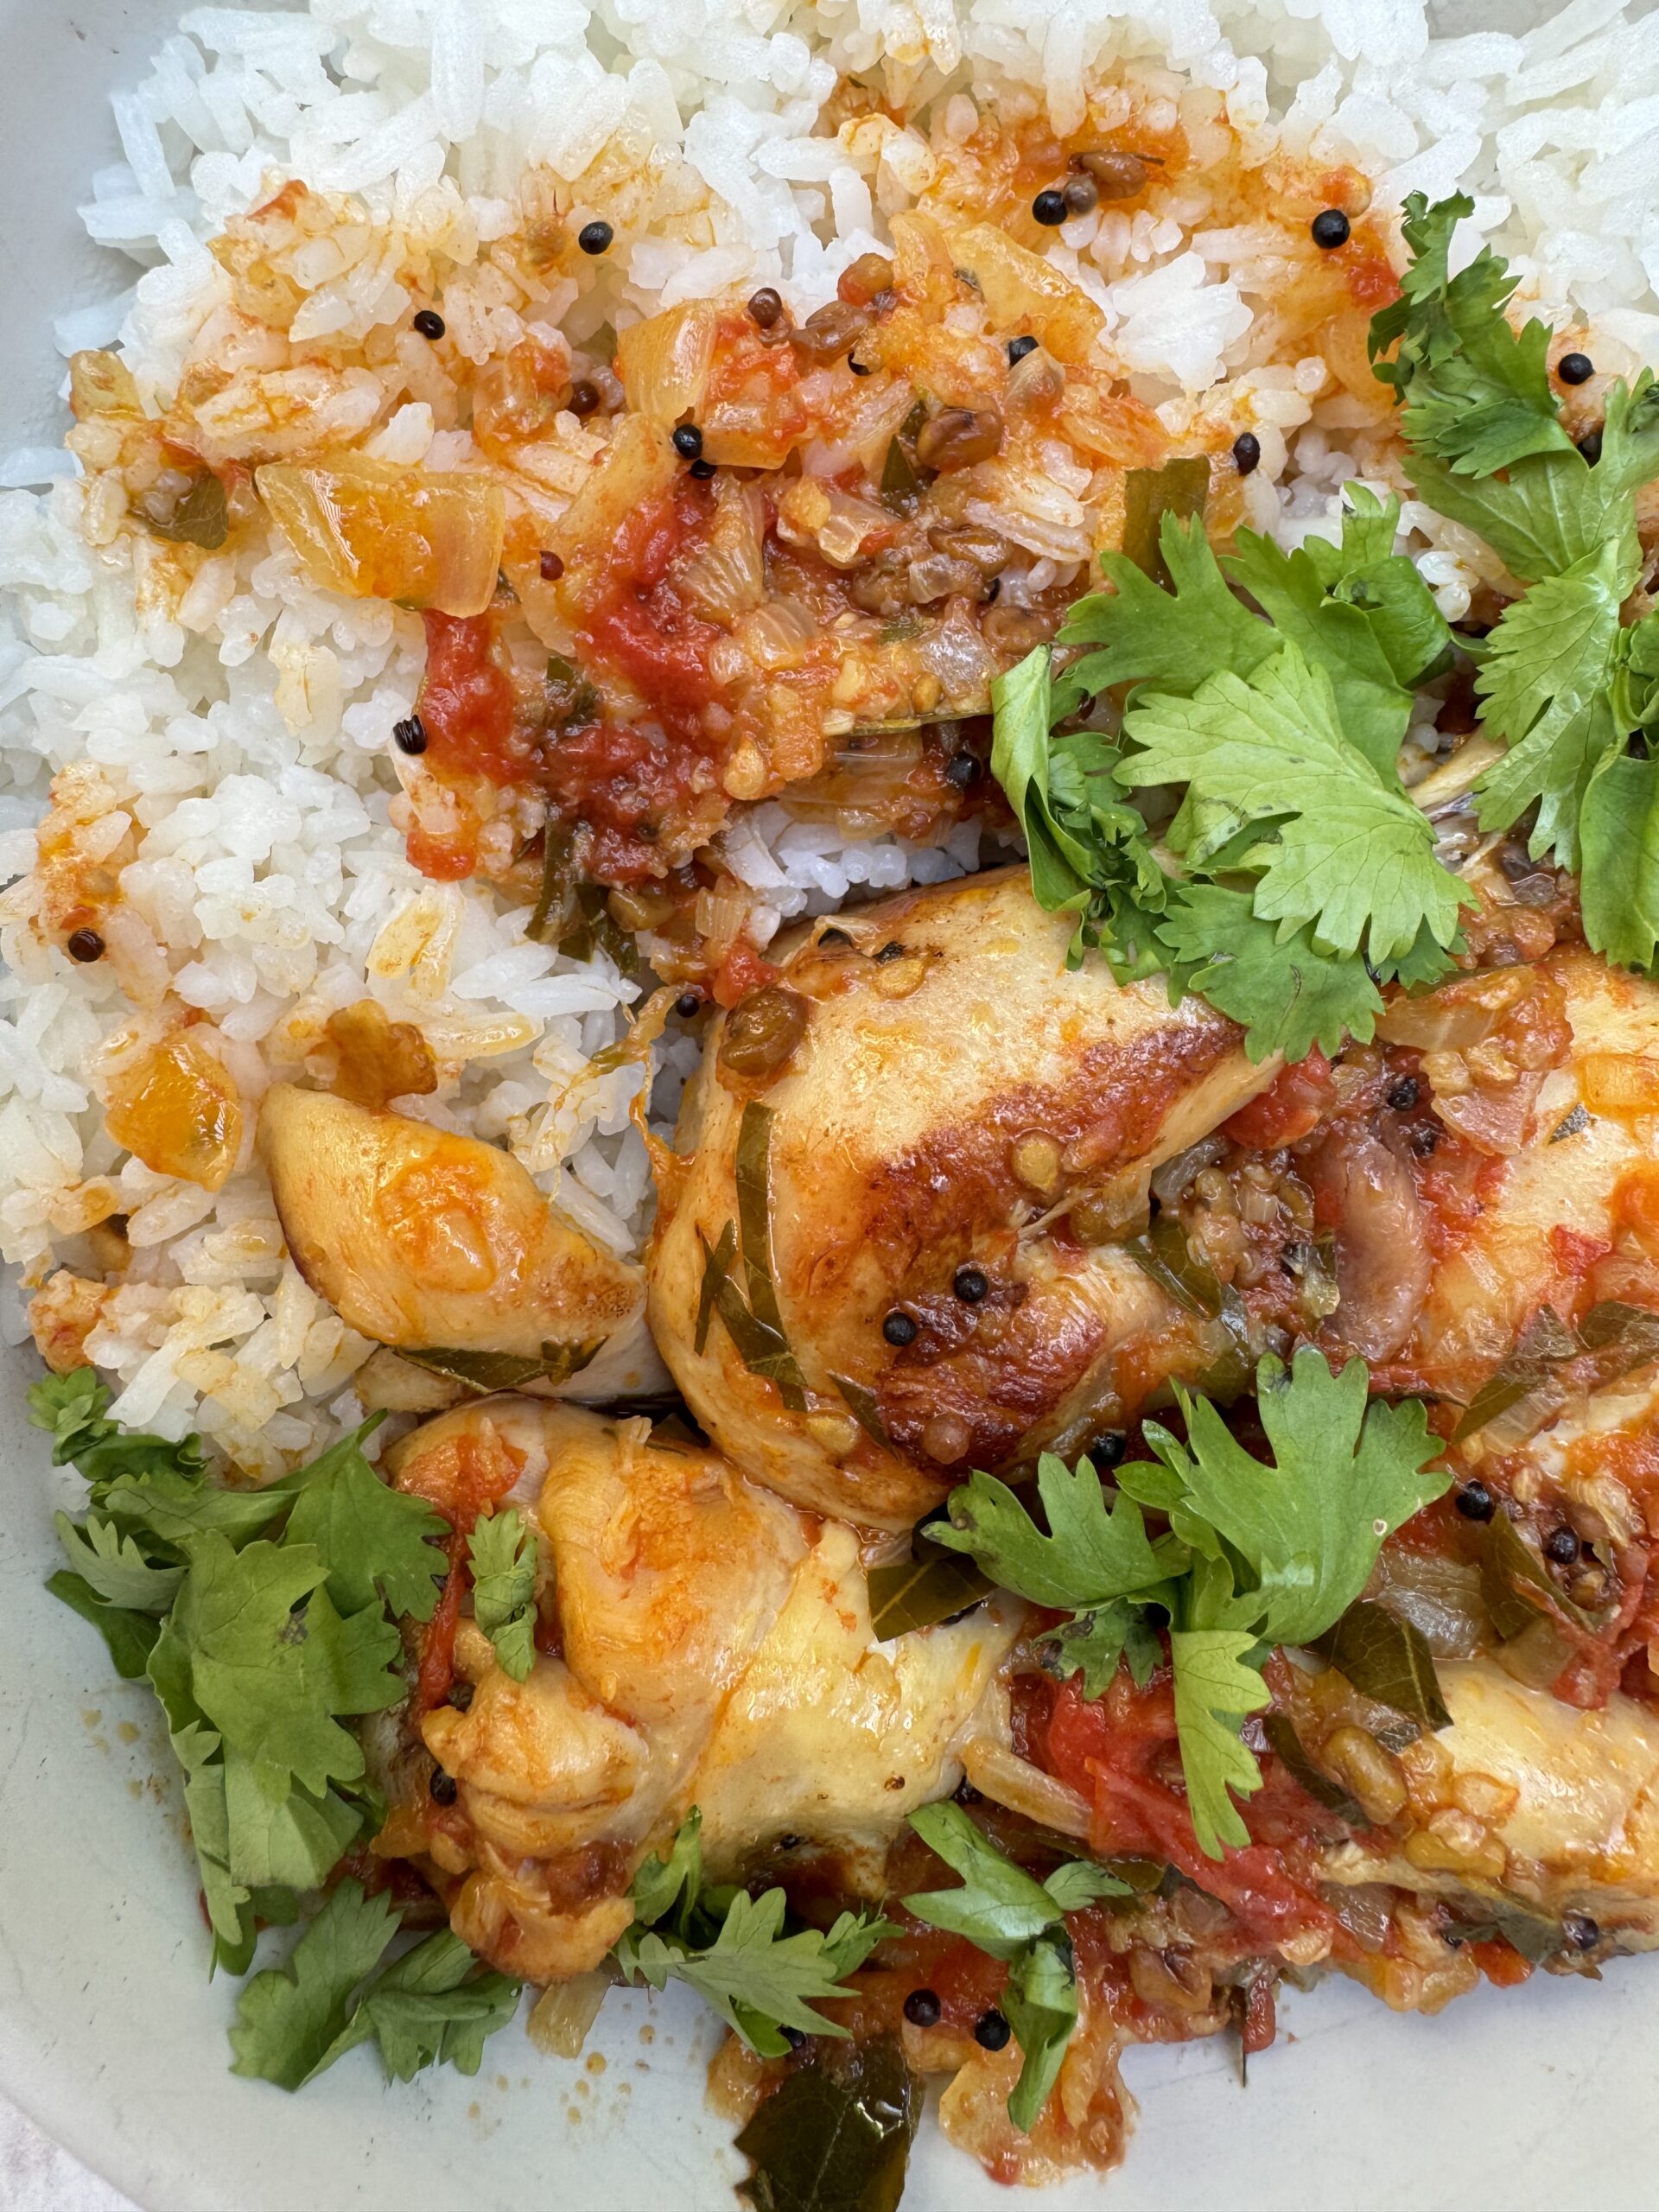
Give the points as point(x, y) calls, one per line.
point(947, 1103)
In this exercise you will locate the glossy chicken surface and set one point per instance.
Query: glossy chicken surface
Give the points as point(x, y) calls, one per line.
point(712, 1647)
point(422, 1239)
point(957, 1095)
point(1569, 1801)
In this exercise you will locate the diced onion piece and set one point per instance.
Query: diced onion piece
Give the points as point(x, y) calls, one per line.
point(177, 1109)
point(664, 362)
point(1619, 1083)
point(1495, 1121)
point(1439, 1597)
point(1006, 1779)
point(1023, 291)
point(102, 384)
point(372, 530)
point(638, 465)
point(1459, 1015)
point(563, 2013)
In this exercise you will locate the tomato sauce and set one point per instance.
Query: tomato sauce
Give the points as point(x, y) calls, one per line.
point(623, 780)
point(466, 702)
point(1293, 1106)
point(1118, 1751)
point(741, 972)
point(642, 627)
point(437, 1669)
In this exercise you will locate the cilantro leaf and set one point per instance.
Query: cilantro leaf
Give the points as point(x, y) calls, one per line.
point(1350, 854)
point(73, 1408)
point(1331, 604)
point(1000, 1907)
point(1620, 893)
point(1090, 853)
point(430, 2008)
point(371, 1539)
point(503, 1553)
point(1215, 1689)
point(1040, 2002)
point(1091, 1645)
point(759, 1980)
point(1079, 1882)
point(1089, 1557)
point(271, 1682)
point(1172, 638)
point(176, 1505)
point(1344, 1475)
point(114, 1567)
point(1476, 393)
point(660, 1884)
point(130, 1637)
point(197, 1748)
point(1287, 992)
point(1005, 1913)
point(278, 1834)
point(1550, 511)
point(1545, 680)
point(288, 2018)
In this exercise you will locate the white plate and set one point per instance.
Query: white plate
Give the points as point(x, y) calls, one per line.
point(113, 2040)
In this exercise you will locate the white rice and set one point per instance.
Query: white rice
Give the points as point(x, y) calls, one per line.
point(241, 735)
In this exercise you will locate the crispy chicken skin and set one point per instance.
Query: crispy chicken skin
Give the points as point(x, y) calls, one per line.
point(715, 1648)
point(419, 1238)
point(950, 1100)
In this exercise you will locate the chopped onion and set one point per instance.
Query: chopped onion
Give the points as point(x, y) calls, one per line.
point(638, 465)
point(1024, 291)
point(563, 2013)
point(1439, 1597)
point(776, 636)
point(1495, 1121)
point(1459, 1014)
point(1006, 1779)
point(726, 576)
point(372, 530)
point(663, 363)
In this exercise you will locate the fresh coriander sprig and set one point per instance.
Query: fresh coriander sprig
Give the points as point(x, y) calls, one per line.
point(260, 1619)
point(1008, 1914)
point(1258, 1553)
point(1296, 876)
point(1565, 680)
point(431, 2008)
point(732, 1950)
point(503, 1554)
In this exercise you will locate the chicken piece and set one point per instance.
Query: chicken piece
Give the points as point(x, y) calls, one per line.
point(956, 1091)
point(1538, 1802)
point(715, 1648)
point(1565, 1196)
point(423, 1240)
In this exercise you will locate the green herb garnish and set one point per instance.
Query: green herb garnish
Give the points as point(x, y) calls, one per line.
point(1010, 1914)
point(1297, 876)
point(1566, 681)
point(432, 2006)
point(1256, 1554)
point(502, 1552)
point(732, 1949)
